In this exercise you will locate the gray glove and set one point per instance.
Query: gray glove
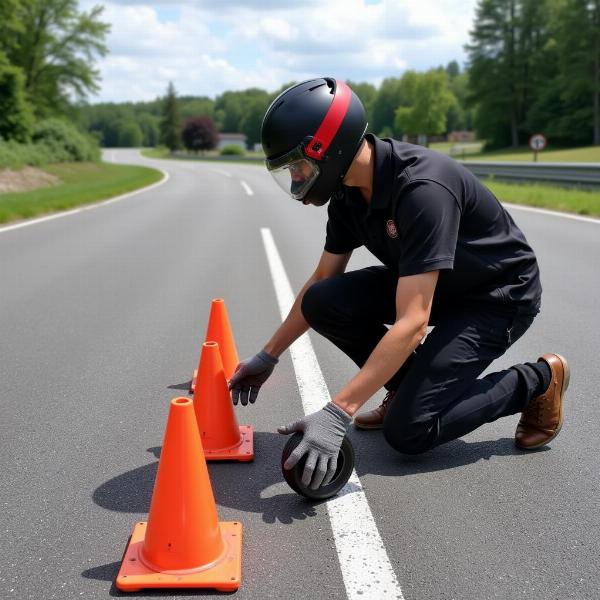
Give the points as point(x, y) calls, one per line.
point(249, 375)
point(323, 433)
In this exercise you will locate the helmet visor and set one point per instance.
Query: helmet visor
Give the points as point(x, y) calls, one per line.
point(294, 173)
point(297, 177)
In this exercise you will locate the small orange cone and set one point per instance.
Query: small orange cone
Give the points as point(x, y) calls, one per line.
point(182, 544)
point(219, 330)
point(222, 438)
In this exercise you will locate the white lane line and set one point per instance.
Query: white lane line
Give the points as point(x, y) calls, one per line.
point(553, 213)
point(247, 188)
point(87, 206)
point(366, 568)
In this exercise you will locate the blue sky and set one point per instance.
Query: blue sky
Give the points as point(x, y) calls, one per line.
point(207, 47)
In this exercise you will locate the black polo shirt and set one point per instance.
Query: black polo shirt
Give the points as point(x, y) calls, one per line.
point(428, 212)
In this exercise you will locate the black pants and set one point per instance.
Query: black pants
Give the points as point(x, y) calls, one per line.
point(438, 394)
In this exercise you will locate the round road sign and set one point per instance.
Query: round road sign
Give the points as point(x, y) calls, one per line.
point(537, 142)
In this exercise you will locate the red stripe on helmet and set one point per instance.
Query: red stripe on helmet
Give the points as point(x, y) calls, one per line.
point(331, 123)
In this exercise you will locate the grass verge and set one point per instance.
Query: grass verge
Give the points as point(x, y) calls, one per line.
point(159, 152)
point(589, 154)
point(81, 183)
point(581, 202)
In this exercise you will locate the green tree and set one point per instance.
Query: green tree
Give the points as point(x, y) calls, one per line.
point(234, 108)
point(389, 97)
point(254, 111)
point(130, 135)
point(106, 120)
point(460, 117)
point(10, 26)
point(149, 125)
point(509, 64)
point(56, 50)
point(170, 124)
point(452, 69)
point(367, 93)
point(578, 45)
point(229, 111)
point(16, 118)
point(192, 107)
point(430, 98)
point(109, 128)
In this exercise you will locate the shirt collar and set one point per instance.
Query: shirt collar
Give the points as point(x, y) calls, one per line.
point(382, 177)
point(382, 173)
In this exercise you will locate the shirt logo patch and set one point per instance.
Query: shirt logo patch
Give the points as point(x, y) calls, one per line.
point(391, 229)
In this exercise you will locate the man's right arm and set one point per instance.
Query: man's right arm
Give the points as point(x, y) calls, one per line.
point(251, 373)
point(295, 324)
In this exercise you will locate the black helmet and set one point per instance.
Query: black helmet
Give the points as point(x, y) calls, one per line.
point(310, 135)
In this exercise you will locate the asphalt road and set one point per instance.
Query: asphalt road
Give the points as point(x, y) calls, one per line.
point(102, 314)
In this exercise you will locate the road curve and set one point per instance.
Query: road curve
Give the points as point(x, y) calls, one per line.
point(101, 318)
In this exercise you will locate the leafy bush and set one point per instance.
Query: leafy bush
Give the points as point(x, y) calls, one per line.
point(232, 150)
point(65, 141)
point(54, 141)
point(14, 155)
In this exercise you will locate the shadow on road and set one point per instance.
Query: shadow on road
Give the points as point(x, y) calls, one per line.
point(373, 455)
point(110, 571)
point(255, 487)
point(258, 487)
point(185, 385)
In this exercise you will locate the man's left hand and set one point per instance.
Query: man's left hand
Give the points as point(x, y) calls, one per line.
point(322, 436)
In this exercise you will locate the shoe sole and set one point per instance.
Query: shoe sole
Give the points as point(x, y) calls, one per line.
point(367, 427)
point(565, 385)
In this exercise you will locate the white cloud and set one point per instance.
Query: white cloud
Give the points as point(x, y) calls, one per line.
point(279, 29)
point(207, 47)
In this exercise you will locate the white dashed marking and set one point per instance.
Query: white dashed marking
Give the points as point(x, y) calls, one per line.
point(247, 188)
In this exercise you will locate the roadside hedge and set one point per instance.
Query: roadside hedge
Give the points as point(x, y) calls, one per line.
point(232, 150)
point(53, 141)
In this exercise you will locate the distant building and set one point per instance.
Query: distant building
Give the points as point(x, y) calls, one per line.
point(461, 136)
point(231, 139)
point(422, 140)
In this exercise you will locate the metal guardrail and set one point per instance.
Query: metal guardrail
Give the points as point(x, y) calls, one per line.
point(565, 174)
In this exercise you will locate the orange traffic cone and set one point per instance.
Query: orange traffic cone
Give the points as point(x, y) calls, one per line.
point(182, 544)
point(219, 330)
point(222, 438)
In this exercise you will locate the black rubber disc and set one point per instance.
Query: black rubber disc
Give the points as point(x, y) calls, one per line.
point(345, 465)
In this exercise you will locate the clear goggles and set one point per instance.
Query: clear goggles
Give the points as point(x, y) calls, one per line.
point(294, 172)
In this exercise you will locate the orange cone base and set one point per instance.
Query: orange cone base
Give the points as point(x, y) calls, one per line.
point(225, 575)
point(193, 383)
point(243, 452)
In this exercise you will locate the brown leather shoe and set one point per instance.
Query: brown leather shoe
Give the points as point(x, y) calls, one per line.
point(543, 416)
point(373, 419)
